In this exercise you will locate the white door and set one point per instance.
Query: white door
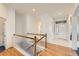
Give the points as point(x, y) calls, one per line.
point(2, 31)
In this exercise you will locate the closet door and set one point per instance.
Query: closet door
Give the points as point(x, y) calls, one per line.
point(1, 31)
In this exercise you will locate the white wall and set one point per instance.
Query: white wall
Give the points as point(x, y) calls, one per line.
point(78, 25)
point(3, 11)
point(30, 24)
point(10, 27)
point(47, 26)
point(78, 32)
point(3, 16)
point(9, 16)
point(20, 24)
point(24, 24)
point(2, 30)
point(74, 32)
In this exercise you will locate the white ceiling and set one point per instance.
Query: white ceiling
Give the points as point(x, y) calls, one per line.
point(54, 9)
point(76, 12)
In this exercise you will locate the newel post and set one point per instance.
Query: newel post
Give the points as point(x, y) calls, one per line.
point(45, 40)
point(35, 52)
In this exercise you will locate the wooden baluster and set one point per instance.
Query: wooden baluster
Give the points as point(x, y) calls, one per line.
point(45, 40)
point(35, 52)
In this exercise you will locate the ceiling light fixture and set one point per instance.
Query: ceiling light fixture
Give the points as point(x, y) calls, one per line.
point(33, 9)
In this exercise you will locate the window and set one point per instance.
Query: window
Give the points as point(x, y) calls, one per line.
point(60, 27)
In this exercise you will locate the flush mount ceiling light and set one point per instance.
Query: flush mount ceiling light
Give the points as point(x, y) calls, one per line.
point(33, 9)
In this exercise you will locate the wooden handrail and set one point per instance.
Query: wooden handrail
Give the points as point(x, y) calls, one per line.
point(23, 36)
point(36, 42)
point(36, 34)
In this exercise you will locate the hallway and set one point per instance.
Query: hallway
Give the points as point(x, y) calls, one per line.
point(58, 22)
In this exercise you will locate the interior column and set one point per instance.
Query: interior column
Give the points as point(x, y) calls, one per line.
point(74, 32)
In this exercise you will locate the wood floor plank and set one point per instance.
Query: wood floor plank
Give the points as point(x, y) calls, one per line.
point(57, 50)
point(11, 52)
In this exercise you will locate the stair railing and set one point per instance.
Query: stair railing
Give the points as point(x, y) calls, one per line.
point(35, 40)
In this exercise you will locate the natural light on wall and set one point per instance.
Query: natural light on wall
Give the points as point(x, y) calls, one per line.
point(39, 26)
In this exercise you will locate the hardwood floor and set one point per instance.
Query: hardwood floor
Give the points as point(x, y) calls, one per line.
point(52, 50)
point(11, 52)
point(57, 50)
